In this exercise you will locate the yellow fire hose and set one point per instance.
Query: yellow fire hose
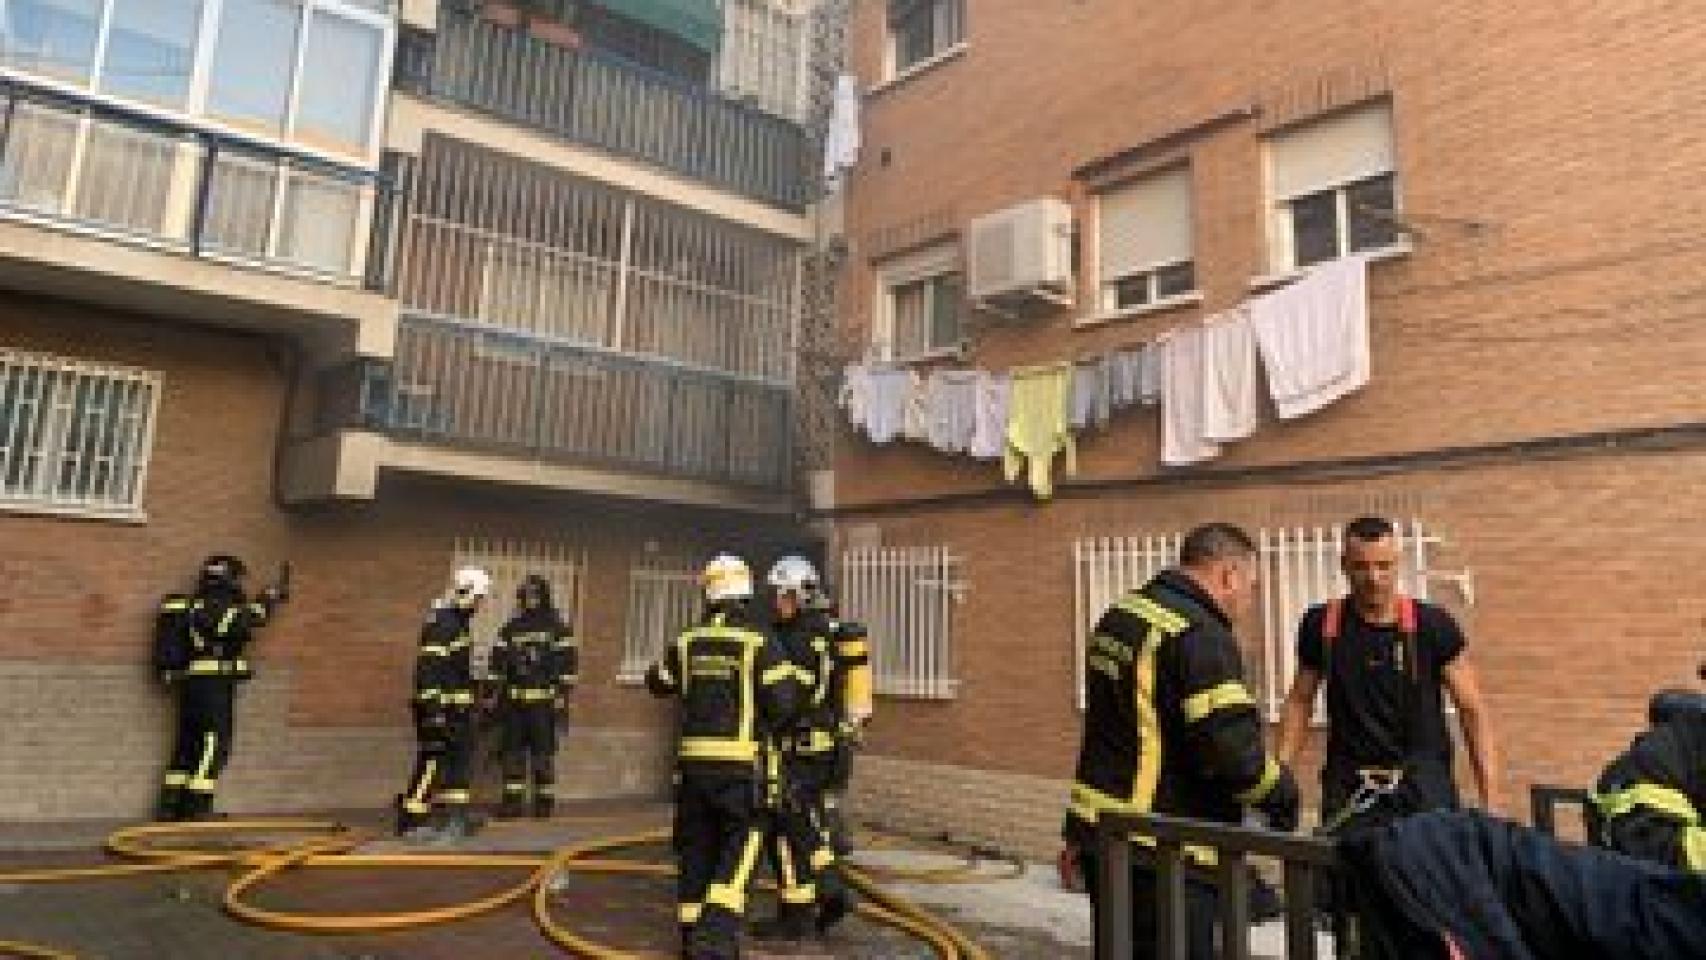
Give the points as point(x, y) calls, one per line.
point(329, 844)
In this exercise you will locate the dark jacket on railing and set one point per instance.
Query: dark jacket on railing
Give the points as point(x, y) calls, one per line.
point(1651, 800)
point(1496, 890)
point(1169, 726)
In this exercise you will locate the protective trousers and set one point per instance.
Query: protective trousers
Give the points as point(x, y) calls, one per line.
point(802, 851)
point(530, 750)
point(719, 832)
point(443, 755)
point(203, 745)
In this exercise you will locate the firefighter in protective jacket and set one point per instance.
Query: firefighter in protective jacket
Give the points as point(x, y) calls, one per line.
point(1651, 801)
point(1169, 725)
point(736, 694)
point(443, 707)
point(534, 664)
point(200, 646)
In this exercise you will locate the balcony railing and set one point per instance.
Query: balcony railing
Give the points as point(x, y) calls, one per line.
point(609, 103)
point(483, 388)
point(145, 179)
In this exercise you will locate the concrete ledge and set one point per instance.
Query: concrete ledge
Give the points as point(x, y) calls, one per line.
point(62, 261)
point(1012, 812)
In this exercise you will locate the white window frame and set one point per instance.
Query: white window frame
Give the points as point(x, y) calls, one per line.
point(664, 599)
point(1106, 281)
point(1281, 230)
point(44, 437)
point(941, 49)
point(905, 598)
point(509, 561)
point(1299, 568)
point(195, 106)
point(933, 264)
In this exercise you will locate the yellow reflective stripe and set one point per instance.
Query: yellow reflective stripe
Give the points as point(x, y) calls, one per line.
point(460, 643)
point(434, 650)
point(727, 633)
point(532, 694)
point(455, 796)
point(783, 671)
point(176, 778)
point(1149, 756)
point(1270, 776)
point(206, 667)
point(731, 896)
point(462, 697)
point(817, 741)
point(225, 621)
point(1230, 694)
point(428, 773)
point(202, 784)
point(688, 913)
point(785, 865)
point(749, 696)
point(823, 858)
point(209, 744)
point(428, 693)
point(175, 605)
point(712, 748)
point(1154, 614)
point(1662, 799)
point(854, 648)
point(1694, 849)
point(805, 893)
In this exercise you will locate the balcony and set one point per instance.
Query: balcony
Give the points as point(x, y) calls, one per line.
point(162, 211)
point(516, 394)
point(610, 103)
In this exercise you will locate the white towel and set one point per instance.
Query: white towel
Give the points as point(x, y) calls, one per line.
point(841, 142)
point(950, 409)
point(890, 402)
point(1314, 337)
point(1229, 377)
point(989, 436)
point(1182, 440)
point(1091, 403)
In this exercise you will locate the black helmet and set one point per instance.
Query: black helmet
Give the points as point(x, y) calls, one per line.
point(1671, 705)
point(534, 593)
point(224, 570)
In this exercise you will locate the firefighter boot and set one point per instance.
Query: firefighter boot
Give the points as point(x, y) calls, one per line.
point(544, 806)
point(170, 807)
point(793, 923)
point(833, 902)
point(511, 807)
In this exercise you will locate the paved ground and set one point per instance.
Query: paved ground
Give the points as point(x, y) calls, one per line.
point(179, 916)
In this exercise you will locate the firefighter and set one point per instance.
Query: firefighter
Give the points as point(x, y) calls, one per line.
point(534, 665)
point(200, 644)
point(443, 707)
point(1650, 802)
point(812, 895)
point(1170, 727)
point(736, 694)
point(850, 701)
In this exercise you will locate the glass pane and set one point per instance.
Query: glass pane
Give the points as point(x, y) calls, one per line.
point(340, 82)
point(950, 23)
point(909, 306)
point(52, 37)
point(1315, 228)
point(1373, 208)
point(945, 296)
point(22, 415)
point(914, 37)
point(1132, 291)
point(39, 154)
point(151, 50)
point(240, 204)
point(319, 221)
point(253, 59)
point(1176, 280)
point(127, 177)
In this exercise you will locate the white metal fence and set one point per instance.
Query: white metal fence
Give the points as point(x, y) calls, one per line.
point(75, 436)
point(905, 596)
point(664, 599)
point(1299, 568)
point(509, 562)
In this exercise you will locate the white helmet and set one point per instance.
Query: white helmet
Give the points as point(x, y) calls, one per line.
point(471, 583)
point(726, 577)
point(793, 574)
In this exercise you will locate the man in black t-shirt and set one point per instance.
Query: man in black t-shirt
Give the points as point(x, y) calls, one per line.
point(1386, 661)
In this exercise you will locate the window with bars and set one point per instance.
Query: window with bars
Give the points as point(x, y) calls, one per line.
point(75, 436)
point(509, 562)
point(664, 599)
point(1299, 568)
point(905, 596)
point(1145, 235)
point(1334, 188)
point(922, 29)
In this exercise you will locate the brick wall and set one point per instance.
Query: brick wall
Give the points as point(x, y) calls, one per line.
point(1573, 307)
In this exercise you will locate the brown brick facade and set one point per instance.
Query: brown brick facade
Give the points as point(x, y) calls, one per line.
point(1545, 158)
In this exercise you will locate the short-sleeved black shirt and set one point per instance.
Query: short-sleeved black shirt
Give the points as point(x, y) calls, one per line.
point(1371, 720)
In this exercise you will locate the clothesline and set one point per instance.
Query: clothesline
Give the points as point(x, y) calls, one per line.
point(1310, 339)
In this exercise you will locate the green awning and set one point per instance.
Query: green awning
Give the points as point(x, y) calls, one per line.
point(699, 22)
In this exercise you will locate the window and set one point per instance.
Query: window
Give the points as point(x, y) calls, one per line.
point(75, 436)
point(509, 562)
point(305, 70)
point(664, 599)
point(1335, 191)
point(921, 29)
point(1144, 235)
point(920, 305)
point(762, 60)
point(1299, 568)
point(905, 597)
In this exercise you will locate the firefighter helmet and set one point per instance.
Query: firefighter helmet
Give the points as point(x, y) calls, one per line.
point(471, 583)
point(793, 574)
point(726, 577)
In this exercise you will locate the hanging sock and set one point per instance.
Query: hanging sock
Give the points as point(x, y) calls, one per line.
point(1036, 426)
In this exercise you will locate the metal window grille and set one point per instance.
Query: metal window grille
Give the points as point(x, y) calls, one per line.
point(664, 599)
point(905, 596)
point(75, 436)
point(762, 60)
point(509, 562)
point(1299, 568)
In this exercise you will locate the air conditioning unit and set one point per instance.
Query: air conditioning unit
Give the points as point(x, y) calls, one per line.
point(1021, 257)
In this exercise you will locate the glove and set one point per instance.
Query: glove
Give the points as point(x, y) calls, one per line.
point(1282, 803)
